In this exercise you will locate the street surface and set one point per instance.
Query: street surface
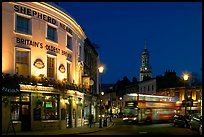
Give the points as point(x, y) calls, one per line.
point(121, 128)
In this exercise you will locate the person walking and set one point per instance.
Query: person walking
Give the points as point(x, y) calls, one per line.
point(90, 118)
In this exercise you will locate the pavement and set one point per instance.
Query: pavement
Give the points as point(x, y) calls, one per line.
point(68, 131)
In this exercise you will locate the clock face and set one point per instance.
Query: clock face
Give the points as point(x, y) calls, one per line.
point(145, 68)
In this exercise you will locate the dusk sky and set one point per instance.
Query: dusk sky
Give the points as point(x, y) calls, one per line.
point(173, 31)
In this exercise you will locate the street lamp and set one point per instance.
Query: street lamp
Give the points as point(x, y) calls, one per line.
point(185, 78)
point(121, 104)
point(100, 70)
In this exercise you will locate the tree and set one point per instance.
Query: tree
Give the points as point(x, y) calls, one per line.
point(134, 80)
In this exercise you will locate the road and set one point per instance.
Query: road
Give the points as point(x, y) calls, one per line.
point(121, 128)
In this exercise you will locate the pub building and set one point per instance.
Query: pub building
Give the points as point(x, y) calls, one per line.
point(42, 46)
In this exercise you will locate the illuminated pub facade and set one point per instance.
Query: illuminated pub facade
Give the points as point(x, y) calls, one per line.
point(42, 67)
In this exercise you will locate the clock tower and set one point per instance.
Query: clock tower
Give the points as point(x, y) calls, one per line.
point(145, 69)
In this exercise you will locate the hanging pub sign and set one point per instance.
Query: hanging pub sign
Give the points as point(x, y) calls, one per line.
point(39, 64)
point(62, 68)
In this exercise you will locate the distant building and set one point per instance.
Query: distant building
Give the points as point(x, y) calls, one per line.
point(145, 69)
point(148, 86)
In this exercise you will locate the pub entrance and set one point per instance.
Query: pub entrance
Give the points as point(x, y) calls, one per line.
point(25, 116)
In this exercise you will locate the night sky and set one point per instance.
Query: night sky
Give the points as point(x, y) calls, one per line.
point(173, 31)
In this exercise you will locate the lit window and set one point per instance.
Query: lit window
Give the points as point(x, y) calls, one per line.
point(23, 25)
point(22, 62)
point(50, 67)
point(15, 108)
point(51, 107)
point(52, 34)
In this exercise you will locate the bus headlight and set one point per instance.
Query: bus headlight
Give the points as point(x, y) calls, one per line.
point(125, 118)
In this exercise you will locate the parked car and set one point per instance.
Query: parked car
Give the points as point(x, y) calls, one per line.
point(120, 115)
point(181, 120)
point(196, 121)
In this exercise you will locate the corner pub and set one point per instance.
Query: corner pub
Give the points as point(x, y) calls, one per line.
point(40, 42)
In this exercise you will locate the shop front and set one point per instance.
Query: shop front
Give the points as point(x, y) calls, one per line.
point(41, 108)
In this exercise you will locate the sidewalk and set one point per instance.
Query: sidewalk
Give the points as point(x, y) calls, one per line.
point(78, 130)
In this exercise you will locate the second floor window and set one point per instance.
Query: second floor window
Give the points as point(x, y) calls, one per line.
point(50, 67)
point(52, 33)
point(69, 42)
point(23, 25)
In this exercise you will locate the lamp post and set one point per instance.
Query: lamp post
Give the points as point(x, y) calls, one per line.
point(121, 104)
point(100, 70)
point(185, 78)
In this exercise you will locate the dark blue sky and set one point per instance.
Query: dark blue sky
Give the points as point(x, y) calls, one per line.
point(173, 31)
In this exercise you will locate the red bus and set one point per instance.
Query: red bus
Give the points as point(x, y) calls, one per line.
point(153, 107)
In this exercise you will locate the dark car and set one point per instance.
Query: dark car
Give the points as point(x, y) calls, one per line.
point(120, 115)
point(195, 122)
point(181, 120)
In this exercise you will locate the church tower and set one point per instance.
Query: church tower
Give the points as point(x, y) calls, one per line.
point(145, 69)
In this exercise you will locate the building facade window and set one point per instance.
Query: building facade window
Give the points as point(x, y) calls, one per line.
point(68, 72)
point(50, 107)
point(22, 62)
point(50, 67)
point(23, 25)
point(15, 108)
point(69, 42)
point(152, 87)
point(52, 34)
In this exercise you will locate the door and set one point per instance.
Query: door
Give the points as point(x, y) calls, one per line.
point(25, 116)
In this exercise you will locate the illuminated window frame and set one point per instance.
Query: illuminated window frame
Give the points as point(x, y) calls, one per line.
point(69, 41)
point(26, 27)
point(22, 63)
point(51, 66)
point(51, 33)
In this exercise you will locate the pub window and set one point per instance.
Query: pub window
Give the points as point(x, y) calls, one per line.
point(23, 25)
point(50, 67)
point(68, 72)
point(25, 97)
point(52, 34)
point(15, 108)
point(50, 107)
point(69, 42)
point(22, 62)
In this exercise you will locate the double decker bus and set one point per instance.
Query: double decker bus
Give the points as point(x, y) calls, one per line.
point(131, 112)
point(152, 108)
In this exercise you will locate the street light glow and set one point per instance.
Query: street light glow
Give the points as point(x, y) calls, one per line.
point(100, 69)
point(102, 93)
point(185, 77)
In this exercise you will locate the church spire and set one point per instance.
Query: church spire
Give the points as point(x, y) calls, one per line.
point(145, 69)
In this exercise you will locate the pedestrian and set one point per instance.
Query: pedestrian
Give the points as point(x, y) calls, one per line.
point(90, 118)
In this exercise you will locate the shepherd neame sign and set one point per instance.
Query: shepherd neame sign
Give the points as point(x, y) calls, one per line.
point(30, 12)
